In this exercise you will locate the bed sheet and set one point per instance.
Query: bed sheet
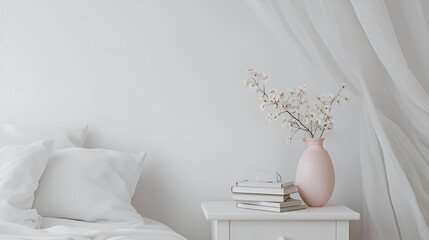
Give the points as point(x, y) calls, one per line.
point(65, 229)
point(48, 222)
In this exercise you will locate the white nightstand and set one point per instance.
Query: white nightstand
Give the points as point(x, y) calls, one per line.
point(232, 223)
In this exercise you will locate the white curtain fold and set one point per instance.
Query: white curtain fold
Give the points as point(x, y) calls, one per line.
point(381, 49)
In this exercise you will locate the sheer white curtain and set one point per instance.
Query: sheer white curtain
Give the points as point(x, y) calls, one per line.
point(381, 49)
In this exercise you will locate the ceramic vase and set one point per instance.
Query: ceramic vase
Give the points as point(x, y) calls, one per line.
point(315, 176)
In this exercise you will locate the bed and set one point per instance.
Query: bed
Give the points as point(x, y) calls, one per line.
point(55, 189)
point(65, 229)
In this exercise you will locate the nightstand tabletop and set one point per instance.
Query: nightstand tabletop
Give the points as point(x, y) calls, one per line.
point(227, 210)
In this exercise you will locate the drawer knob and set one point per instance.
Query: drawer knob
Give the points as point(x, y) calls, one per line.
point(282, 238)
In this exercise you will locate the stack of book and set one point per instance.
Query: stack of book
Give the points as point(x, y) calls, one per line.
point(274, 197)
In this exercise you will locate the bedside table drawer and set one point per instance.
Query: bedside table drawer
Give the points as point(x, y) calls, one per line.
point(323, 223)
point(282, 230)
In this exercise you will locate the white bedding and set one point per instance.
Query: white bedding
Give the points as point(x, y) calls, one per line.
point(64, 229)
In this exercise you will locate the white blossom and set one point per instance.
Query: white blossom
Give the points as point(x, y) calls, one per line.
point(296, 111)
point(284, 121)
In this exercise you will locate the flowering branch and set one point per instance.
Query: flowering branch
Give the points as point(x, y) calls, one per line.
point(300, 114)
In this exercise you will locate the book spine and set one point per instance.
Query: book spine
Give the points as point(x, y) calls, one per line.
point(253, 190)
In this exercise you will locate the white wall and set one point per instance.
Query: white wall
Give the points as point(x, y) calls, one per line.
point(166, 77)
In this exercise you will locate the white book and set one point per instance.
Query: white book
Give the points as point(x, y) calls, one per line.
point(259, 197)
point(270, 209)
point(290, 202)
point(262, 190)
point(247, 183)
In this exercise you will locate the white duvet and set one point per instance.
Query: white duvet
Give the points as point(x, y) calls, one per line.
point(62, 229)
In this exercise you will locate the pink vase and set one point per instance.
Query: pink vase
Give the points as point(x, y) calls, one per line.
point(315, 176)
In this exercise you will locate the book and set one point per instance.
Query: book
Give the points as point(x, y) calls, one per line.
point(270, 209)
point(247, 183)
point(262, 190)
point(290, 202)
point(259, 197)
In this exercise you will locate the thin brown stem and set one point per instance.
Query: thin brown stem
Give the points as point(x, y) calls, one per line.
point(306, 128)
point(323, 130)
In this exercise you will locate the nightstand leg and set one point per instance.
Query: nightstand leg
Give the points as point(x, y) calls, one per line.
point(342, 230)
point(220, 230)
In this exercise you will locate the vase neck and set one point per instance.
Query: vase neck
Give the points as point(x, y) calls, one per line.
point(315, 141)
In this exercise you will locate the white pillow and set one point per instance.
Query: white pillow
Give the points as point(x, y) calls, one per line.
point(90, 185)
point(20, 170)
point(64, 137)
